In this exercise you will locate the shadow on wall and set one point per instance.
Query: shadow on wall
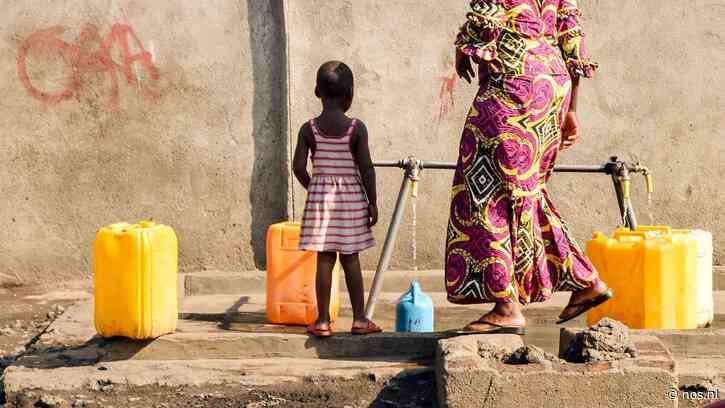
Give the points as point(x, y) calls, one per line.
point(270, 178)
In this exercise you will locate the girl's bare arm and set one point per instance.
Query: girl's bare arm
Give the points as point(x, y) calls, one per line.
point(299, 163)
point(365, 163)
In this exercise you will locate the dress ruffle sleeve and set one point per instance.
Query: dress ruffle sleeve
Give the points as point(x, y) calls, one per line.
point(478, 36)
point(571, 40)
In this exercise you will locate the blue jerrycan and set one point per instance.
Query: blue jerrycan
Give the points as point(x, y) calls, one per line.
point(414, 312)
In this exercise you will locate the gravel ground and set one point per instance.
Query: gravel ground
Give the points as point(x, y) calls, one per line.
point(410, 392)
point(24, 315)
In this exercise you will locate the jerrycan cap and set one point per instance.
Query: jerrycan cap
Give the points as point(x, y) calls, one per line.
point(415, 286)
point(413, 291)
point(146, 224)
point(118, 226)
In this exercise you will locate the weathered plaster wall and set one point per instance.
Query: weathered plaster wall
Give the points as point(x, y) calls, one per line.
point(191, 138)
point(197, 136)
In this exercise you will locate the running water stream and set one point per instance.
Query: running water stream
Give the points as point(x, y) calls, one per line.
point(414, 240)
point(650, 211)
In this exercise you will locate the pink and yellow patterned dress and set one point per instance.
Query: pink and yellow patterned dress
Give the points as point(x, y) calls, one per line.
point(506, 242)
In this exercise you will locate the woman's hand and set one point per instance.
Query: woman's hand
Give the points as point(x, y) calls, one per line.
point(464, 67)
point(570, 131)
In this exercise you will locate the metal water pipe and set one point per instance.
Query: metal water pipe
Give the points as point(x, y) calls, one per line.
point(412, 166)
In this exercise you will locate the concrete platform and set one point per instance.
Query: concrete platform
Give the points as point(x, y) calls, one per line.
point(231, 330)
point(234, 326)
point(221, 325)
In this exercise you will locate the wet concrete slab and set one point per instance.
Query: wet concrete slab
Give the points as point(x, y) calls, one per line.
point(230, 318)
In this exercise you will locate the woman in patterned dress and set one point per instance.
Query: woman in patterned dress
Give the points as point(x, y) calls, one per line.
point(506, 243)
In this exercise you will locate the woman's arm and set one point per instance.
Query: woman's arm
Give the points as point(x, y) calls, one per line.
point(570, 130)
point(299, 163)
point(478, 36)
point(367, 170)
point(571, 40)
point(574, 93)
point(576, 56)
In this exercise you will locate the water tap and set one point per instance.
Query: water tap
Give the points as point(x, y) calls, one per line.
point(414, 167)
point(649, 182)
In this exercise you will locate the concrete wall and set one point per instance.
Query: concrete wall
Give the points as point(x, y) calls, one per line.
point(658, 98)
point(198, 135)
point(192, 139)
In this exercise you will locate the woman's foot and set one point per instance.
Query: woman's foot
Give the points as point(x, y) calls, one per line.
point(584, 300)
point(363, 327)
point(505, 317)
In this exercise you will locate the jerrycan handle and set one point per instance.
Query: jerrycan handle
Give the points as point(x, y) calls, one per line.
point(642, 234)
point(626, 232)
point(656, 228)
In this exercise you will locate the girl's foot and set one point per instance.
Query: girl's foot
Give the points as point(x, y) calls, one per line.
point(584, 300)
point(320, 329)
point(363, 327)
point(504, 318)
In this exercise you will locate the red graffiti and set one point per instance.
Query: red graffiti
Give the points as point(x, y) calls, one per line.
point(91, 54)
point(446, 95)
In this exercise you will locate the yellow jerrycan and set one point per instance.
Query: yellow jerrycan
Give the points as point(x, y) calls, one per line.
point(705, 300)
point(291, 278)
point(653, 273)
point(700, 283)
point(135, 280)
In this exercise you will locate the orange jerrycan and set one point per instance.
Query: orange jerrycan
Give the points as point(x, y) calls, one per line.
point(291, 278)
point(135, 279)
point(652, 272)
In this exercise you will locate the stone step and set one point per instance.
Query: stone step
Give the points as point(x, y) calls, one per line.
point(259, 345)
point(703, 343)
point(461, 366)
point(219, 282)
point(22, 384)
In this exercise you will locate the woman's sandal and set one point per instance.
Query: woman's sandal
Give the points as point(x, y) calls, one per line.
point(369, 329)
point(495, 329)
point(586, 306)
point(319, 333)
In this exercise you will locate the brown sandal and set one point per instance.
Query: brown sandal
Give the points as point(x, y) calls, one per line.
point(369, 329)
point(585, 306)
point(495, 329)
point(320, 333)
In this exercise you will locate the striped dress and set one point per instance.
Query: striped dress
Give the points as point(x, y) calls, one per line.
point(336, 212)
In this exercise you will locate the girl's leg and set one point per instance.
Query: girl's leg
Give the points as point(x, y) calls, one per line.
point(323, 286)
point(354, 280)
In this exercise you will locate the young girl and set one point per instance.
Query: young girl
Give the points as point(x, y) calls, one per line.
point(341, 201)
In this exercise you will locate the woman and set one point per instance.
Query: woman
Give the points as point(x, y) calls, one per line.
point(506, 243)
